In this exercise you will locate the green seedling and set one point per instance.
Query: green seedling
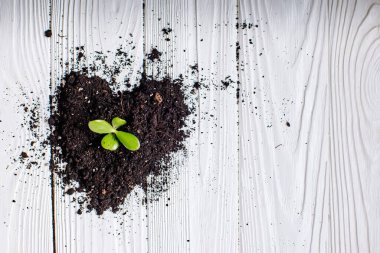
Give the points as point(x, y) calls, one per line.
point(112, 138)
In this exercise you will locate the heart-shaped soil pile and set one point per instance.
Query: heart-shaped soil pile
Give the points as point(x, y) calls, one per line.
point(155, 112)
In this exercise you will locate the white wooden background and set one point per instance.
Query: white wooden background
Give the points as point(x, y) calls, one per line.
point(249, 182)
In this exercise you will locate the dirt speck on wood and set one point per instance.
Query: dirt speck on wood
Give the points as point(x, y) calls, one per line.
point(154, 55)
point(48, 33)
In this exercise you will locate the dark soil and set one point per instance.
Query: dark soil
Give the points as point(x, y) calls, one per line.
point(227, 82)
point(24, 155)
point(155, 112)
point(194, 69)
point(166, 30)
point(197, 85)
point(48, 33)
point(154, 55)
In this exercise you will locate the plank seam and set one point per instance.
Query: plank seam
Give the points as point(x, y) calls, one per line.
point(144, 73)
point(237, 45)
point(198, 96)
point(51, 163)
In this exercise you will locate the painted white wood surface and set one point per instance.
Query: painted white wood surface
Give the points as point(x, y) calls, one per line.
point(25, 193)
point(202, 213)
point(248, 183)
point(215, 191)
point(310, 187)
point(169, 218)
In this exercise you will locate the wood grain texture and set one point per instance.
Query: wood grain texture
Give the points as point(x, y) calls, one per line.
point(25, 195)
point(309, 187)
point(98, 26)
point(199, 213)
point(215, 196)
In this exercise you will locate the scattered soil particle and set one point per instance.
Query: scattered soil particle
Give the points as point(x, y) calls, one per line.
point(287, 124)
point(166, 31)
point(196, 85)
point(237, 51)
point(80, 55)
point(70, 191)
point(237, 93)
point(24, 155)
point(155, 112)
point(226, 82)
point(154, 55)
point(158, 98)
point(244, 25)
point(194, 68)
point(48, 33)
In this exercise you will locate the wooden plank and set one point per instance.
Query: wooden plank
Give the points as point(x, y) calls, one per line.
point(25, 195)
point(214, 188)
point(354, 126)
point(169, 224)
point(202, 213)
point(309, 186)
point(98, 26)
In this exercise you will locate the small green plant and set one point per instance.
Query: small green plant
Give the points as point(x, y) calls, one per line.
point(112, 138)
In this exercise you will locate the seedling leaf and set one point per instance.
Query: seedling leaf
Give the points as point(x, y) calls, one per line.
point(129, 141)
point(113, 137)
point(118, 122)
point(110, 142)
point(100, 126)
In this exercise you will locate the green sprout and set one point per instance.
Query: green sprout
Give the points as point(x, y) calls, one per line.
point(112, 138)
